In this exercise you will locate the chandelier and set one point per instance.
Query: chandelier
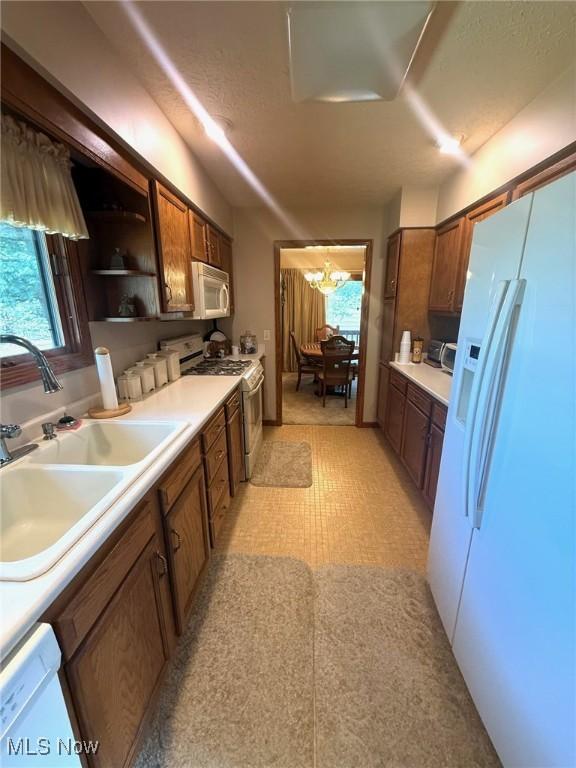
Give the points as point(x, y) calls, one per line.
point(328, 280)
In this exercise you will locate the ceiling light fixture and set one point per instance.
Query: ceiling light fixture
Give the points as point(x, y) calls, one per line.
point(450, 144)
point(328, 280)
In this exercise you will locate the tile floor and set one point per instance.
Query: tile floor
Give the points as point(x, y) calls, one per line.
point(304, 407)
point(362, 508)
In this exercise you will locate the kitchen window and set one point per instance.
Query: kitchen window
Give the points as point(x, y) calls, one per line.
point(40, 299)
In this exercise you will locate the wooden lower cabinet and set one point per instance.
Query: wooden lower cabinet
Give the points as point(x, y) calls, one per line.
point(235, 439)
point(115, 673)
point(395, 417)
point(435, 441)
point(188, 545)
point(414, 441)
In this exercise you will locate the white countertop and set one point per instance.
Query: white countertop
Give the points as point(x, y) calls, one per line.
point(191, 400)
point(435, 381)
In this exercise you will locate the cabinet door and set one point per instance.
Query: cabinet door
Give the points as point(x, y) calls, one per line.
point(213, 239)
point(414, 442)
point(395, 417)
point(392, 261)
point(386, 339)
point(227, 265)
point(548, 175)
point(198, 244)
point(435, 441)
point(480, 213)
point(235, 451)
point(114, 675)
point(188, 545)
point(382, 394)
point(173, 240)
point(445, 269)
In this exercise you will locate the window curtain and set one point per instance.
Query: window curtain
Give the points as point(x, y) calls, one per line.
point(303, 310)
point(37, 188)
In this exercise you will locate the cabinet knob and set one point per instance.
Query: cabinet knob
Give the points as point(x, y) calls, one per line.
point(178, 544)
point(451, 293)
point(168, 292)
point(162, 563)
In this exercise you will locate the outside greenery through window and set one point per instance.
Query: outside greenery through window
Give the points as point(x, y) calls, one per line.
point(343, 308)
point(28, 304)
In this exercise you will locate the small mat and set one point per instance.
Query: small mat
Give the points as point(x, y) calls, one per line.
point(388, 691)
point(283, 465)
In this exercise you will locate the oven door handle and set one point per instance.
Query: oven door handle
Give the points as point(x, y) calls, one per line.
point(252, 392)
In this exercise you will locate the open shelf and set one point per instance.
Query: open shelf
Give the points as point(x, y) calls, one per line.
point(123, 273)
point(117, 216)
point(139, 319)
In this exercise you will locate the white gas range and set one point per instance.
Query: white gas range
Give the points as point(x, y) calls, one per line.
point(193, 363)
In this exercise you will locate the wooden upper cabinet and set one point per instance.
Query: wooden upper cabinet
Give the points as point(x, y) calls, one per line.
point(213, 240)
point(173, 241)
point(392, 261)
point(188, 545)
point(446, 265)
point(481, 212)
point(546, 176)
point(198, 243)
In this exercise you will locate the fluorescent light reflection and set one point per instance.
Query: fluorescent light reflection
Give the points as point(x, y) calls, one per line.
point(211, 127)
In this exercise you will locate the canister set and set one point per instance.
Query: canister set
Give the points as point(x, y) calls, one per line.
point(147, 375)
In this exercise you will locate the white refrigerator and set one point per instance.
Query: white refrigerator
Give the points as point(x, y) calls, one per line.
point(502, 564)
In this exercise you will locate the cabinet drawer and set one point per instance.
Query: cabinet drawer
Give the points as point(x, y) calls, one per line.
point(173, 483)
point(81, 613)
point(212, 430)
point(232, 404)
point(215, 456)
point(398, 381)
point(439, 413)
point(219, 515)
point(217, 487)
point(420, 399)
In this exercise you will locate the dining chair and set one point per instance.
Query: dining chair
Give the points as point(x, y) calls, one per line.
point(326, 332)
point(336, 366)
point(304, 365)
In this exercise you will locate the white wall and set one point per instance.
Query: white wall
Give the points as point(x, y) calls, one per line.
point(61, 40)
point(418, 206)
point(255, 230)
point(543, 127)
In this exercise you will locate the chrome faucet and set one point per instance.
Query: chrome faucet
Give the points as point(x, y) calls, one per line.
point(51, 385)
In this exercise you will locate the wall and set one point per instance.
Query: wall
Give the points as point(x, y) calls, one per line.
point(255, 230)
point(64, 44)
point(418, 206)
point(545, 126)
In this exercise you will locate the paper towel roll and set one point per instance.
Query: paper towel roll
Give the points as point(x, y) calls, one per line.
point(106, 378)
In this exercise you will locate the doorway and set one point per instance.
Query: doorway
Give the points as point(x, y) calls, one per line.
point(306, 313)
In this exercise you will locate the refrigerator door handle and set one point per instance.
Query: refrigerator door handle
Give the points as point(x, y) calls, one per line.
point(489, 399)
point(470, 430)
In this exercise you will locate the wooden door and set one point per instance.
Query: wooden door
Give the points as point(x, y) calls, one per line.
point(435, 441)
point(447, 254)
point(198, 244)
point(235, 451)
point(480, 213)
point(173, 242)
point(392, 261)
point(227, 265)
point(395, 408)
point(213, 239)
point(382, 394)
point(414, 442)
point(188, 545)
point(114, 675)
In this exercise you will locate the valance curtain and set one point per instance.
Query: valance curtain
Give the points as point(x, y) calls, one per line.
point(37, 188)
point(303, 310)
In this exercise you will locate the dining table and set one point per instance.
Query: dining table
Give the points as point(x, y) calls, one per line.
point(313, 351)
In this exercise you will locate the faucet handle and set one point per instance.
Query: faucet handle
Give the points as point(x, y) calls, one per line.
point(49, 430)
point(10, 430)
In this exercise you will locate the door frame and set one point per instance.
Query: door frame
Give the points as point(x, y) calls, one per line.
point(368, 245)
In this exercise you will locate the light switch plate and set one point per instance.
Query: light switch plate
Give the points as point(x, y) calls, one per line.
point(266, 335)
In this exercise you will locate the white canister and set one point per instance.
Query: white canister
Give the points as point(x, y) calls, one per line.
point(146, 374)
point(129, 386)
point(172, 362)
point(160, 368)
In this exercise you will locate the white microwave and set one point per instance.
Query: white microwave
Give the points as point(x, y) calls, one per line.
point(211, 292)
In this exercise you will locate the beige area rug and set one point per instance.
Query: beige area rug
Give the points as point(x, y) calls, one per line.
point(283, 465)
point(303, 407)
point(388, 691)
point(239, 693)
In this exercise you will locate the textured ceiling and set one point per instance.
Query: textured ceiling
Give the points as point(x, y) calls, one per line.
point(479, 64)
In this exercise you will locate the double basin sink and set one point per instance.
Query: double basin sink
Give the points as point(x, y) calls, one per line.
point(51, 498)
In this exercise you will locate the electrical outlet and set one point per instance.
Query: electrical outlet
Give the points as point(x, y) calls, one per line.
point(266, 335)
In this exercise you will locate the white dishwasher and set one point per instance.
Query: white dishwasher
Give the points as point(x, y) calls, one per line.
point(35, 728)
